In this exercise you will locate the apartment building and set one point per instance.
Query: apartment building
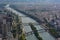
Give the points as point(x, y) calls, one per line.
point(5, 25)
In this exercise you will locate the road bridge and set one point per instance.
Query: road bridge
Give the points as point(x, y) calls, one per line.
point(39, 31)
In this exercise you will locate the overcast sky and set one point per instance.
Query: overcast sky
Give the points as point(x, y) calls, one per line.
point(32, 1)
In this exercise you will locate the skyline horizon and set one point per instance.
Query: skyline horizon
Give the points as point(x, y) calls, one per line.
point(31, 1)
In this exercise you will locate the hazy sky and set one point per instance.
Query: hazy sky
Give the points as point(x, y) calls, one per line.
point(33, 1)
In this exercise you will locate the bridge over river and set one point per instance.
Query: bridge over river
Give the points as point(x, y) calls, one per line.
point(39, 31)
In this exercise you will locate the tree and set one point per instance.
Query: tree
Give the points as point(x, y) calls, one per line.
point(35, 31)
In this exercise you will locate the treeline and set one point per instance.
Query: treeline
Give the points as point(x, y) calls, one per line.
point(35, 31)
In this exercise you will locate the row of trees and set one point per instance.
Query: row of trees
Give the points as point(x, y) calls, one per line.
point(52, 31)
point(17, 28)
point(35, 31)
